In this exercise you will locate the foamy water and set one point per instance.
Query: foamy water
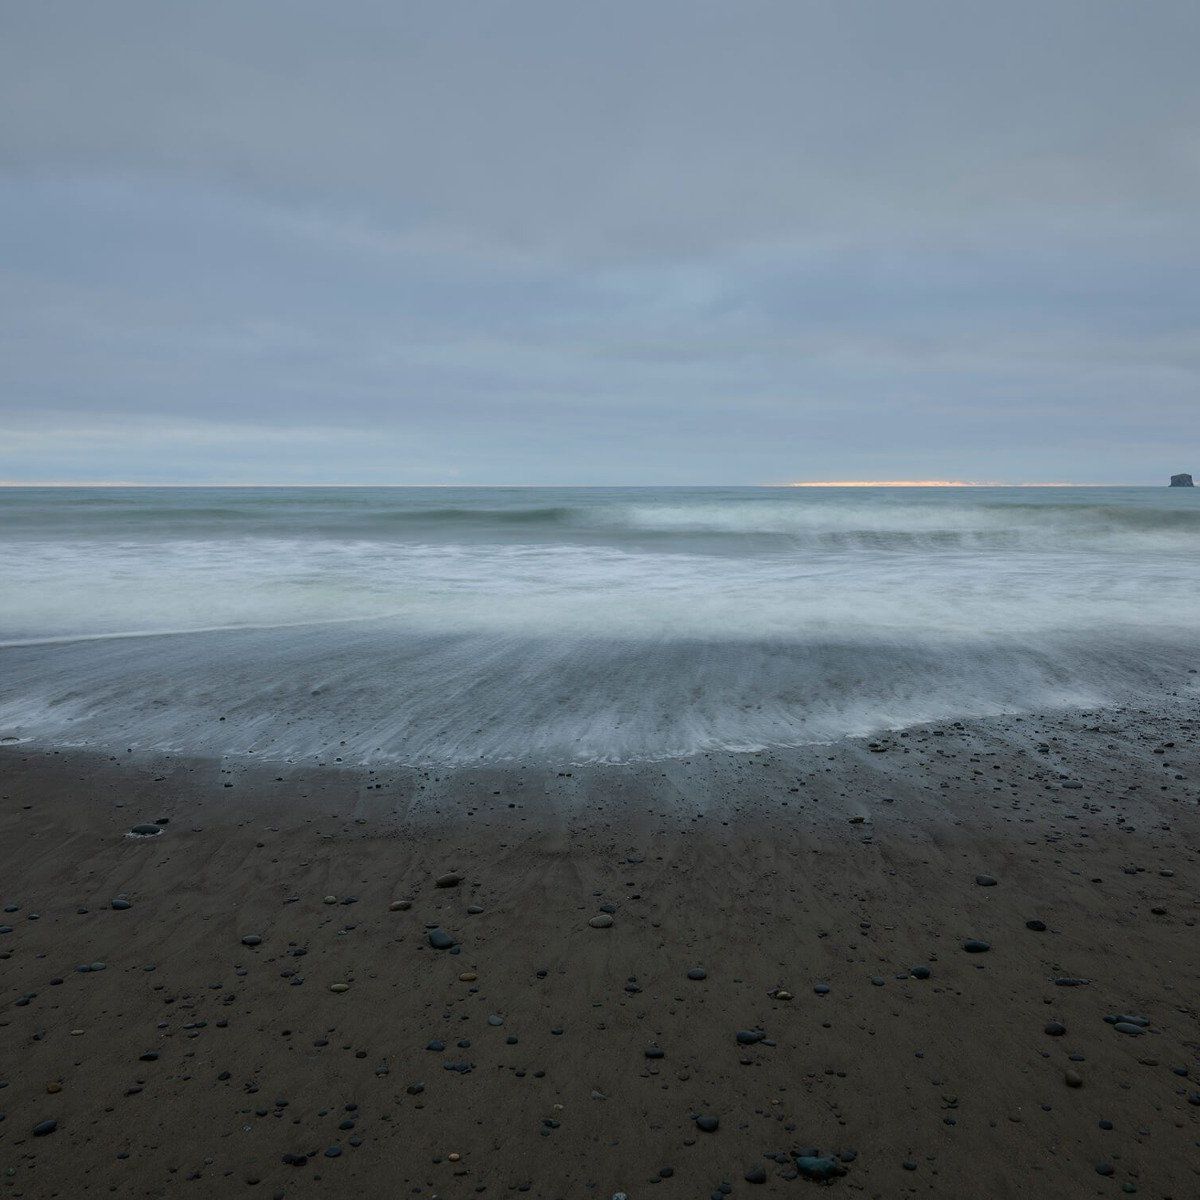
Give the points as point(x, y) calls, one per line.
point(462, 625)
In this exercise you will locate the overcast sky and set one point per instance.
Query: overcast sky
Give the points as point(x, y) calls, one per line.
point(601, 242)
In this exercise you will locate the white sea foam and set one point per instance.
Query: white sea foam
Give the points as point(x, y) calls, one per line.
point(485, 625)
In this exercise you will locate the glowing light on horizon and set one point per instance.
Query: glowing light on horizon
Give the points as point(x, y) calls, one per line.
point(845, 483)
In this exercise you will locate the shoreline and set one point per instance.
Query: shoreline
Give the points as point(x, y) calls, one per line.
point(843, 866)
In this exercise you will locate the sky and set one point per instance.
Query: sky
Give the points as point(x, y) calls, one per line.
point(601, 243)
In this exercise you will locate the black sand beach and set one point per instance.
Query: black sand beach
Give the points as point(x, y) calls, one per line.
point(158, 1048)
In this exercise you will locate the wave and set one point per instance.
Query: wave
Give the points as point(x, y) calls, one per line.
point(446, 626)
point(387, 694)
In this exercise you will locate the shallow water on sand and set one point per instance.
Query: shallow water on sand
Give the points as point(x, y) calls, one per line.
point(460, 625)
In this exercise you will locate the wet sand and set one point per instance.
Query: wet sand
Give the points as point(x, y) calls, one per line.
point(192, 1064)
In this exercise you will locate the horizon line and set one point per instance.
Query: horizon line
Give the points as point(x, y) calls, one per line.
point(832, 483)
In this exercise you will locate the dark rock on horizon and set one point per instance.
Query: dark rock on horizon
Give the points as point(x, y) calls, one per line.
point(1183, 480)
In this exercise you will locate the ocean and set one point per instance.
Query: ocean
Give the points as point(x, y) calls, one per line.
point(482, 625)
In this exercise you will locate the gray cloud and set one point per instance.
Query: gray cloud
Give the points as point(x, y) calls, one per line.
point(599, 243)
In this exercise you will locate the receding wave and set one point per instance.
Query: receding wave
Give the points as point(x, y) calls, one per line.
point(454, 625)
point(370, 695)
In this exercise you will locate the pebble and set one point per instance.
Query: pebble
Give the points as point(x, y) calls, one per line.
point(697, 973)
point(439, 939)
point(601, 921)
point(708, 1124)
point(920, 972)
point(400, 906)
point(985, 881)
point(1072, 1078)
point(975, 946)
point(44, 1127)
point(1036, 926)
point(449, 880)
point(143, 831)
point(339, 987)
point(1055, 1028)
point(1129, 1028)
point(252, 939)
point(120, 904)
point(756, 1174)
point(819, 1167)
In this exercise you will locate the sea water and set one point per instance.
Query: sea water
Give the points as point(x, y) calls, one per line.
point(461, 625)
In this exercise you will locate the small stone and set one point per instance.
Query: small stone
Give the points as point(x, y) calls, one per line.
point(400, 906)
point(1055, 1028)
point(975, 946)
point(601, 921)
point(439, 939)
point(120, 904)
point(252, 939)
point(145, 831)
point(920, 972)
point(1036, 925)
point(1073, 1079)
point(985, 881)
point(697, 973)
point(42, 1128)
point(756, 1174)
point(819, 1167)
point(339, 988)
point(708, 1124)
point(449, 880)
point(468, 977)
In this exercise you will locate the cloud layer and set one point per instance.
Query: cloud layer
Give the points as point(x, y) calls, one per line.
point(612, 243)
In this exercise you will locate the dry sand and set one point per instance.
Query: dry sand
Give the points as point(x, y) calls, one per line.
point(192, 1064)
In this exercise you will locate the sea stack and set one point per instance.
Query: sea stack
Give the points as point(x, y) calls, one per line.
point(1184, 480)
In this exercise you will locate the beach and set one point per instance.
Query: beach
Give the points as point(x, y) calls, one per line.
point(248, 1002)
